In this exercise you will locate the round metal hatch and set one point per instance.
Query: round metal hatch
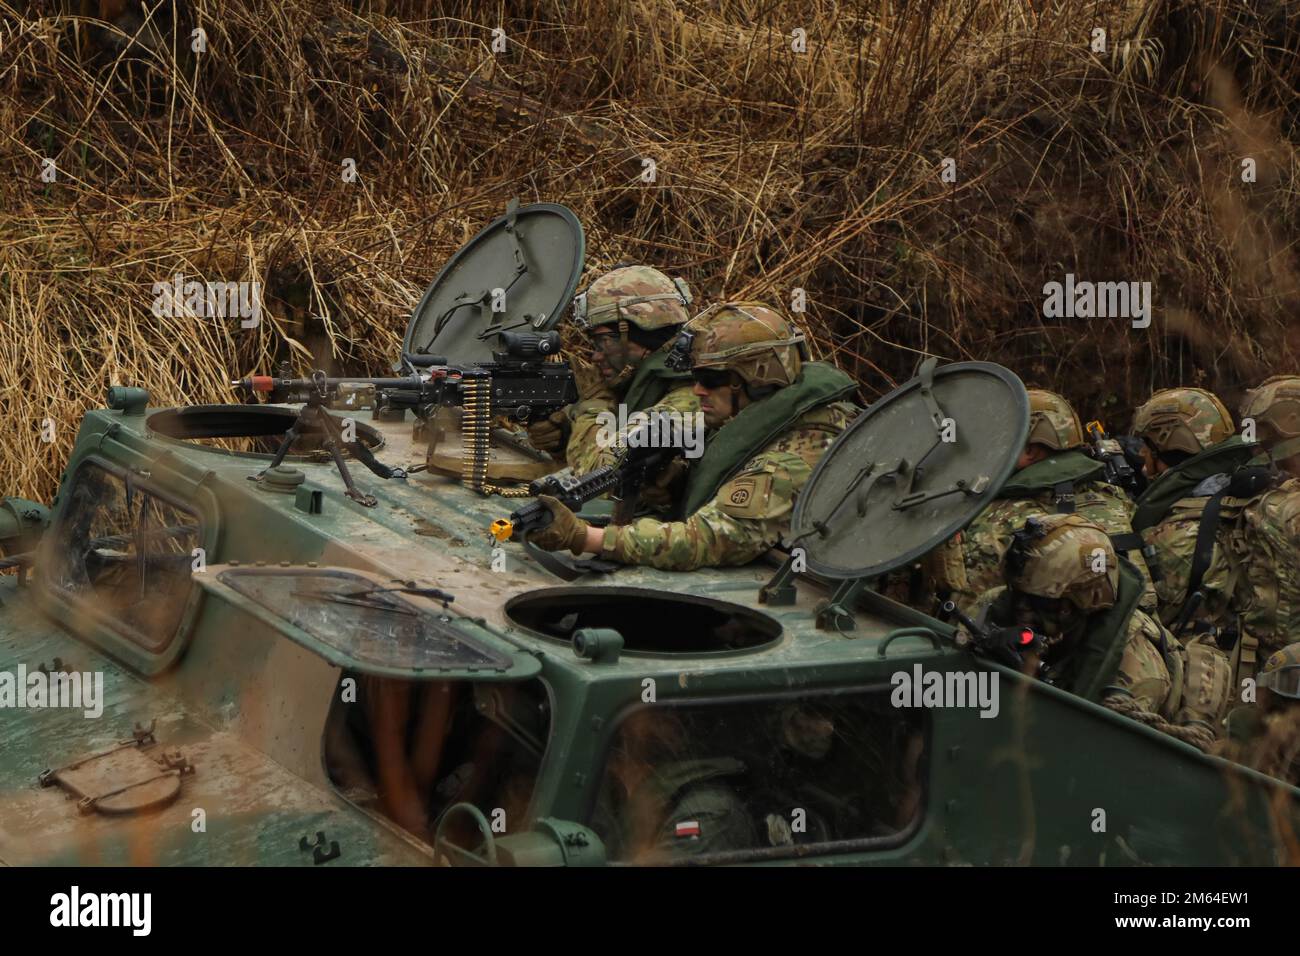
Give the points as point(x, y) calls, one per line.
point(649, 621)
point(912, 470)
point(526, 262)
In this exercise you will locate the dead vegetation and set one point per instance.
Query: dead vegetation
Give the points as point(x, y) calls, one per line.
point(775, 170)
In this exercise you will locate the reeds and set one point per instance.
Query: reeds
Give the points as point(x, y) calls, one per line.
point(775, 170)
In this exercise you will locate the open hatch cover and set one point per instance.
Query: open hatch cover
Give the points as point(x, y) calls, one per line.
point(526, 262)
point(912, 470)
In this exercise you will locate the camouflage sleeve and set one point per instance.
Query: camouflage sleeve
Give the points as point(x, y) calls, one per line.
point(587, 452)
point(979, 551)
point(583, 449)
point(1143, 681)
point(1265, 543)
point(749, 514)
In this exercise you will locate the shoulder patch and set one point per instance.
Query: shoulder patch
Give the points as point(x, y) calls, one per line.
point(747, 495)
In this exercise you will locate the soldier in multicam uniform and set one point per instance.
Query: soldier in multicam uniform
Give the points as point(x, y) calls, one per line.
point(770, 416)
point(1265, 735)
point(1189, 451)
point(631, 315)
point(1054, 476)
point(1262, 531)
point(1064, 580)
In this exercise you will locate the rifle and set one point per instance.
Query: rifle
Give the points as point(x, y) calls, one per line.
point(640, 461)
point(1006, 645)
point(521, 381)
point(1121, 458)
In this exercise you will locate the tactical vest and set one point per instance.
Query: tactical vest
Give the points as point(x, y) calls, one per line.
point(757, 426)
point(1061, 474)
point(652, 381)
point(1218, 511)
point(1267, 591)
point(1154, 504)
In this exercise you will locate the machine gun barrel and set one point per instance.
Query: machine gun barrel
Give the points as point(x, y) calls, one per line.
point(269, 383)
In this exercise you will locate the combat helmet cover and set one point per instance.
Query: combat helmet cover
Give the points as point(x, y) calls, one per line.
point(1275, 408)
point(639, 295)
point(1053, 421)
point(1065, 556)
point(1182, 419)
point(751, 339)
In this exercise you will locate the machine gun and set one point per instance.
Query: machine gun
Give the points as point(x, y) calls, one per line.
point(1006, 645)
point(1120, 457)
point(523, 380)
point(640, 461)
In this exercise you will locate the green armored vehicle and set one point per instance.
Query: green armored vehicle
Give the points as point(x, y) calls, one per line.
point(324, 667)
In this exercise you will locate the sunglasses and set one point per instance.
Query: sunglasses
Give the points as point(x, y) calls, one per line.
point(711, 378)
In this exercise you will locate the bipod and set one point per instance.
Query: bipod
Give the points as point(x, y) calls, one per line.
point(314, 419)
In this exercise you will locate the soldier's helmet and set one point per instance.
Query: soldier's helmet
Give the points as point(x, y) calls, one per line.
point(1052, 421)
point(751, 339)
point(1281, 672)
point(639, 295)
point(1064, 556)
point(1182, 419)
point(1275, 408)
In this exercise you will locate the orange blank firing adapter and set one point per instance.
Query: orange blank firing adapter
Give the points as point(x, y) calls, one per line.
point(502, 529)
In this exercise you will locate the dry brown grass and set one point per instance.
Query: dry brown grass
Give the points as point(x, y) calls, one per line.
point(776, 169)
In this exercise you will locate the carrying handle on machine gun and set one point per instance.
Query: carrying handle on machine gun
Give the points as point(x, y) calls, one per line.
point(1006, 645)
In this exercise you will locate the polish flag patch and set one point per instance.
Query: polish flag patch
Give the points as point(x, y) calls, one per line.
point(688, 829)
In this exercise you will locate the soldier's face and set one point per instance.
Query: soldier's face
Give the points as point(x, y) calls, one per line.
point(718, 400)
point(1152, 465)
point(1032, 453)
point(611, 355)
point(1051, 617)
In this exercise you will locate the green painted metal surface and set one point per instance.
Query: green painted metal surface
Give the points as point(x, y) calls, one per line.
point(249, 697)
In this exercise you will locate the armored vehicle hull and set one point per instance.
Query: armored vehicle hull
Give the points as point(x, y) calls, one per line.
point(292, 678)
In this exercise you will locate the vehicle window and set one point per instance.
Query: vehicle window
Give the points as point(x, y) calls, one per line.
point(759, 778)
point(410, 749)
point(126, 553)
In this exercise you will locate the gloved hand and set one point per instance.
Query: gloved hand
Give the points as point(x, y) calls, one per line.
point(566, 529)
point(588, 380)
point(661, 492)
point(550, 433)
